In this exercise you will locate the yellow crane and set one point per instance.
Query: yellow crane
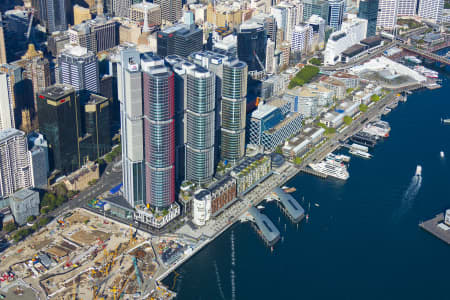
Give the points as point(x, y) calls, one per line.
point(114, 290)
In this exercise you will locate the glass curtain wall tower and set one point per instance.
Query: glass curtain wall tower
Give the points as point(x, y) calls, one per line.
point(233, 110)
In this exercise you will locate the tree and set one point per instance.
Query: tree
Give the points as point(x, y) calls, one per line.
point(297, 160)
point(48, 199)
point(44, 210)
point(303, 76)
point(61, 189)
point(31, 219)
point(44, 221)
point(35, 227)
point(363, 107)
point(22, 233)
point(10, 227)
point(348, 120)
point(60, 200)
point(315, 61)
point(109, 158)
point(375, 98)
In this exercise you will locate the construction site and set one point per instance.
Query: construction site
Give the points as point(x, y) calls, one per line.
point(84, 256)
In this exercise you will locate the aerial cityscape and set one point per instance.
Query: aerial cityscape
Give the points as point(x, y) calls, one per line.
point(219, 149)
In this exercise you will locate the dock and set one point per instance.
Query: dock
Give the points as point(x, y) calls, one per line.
point(264, 227)
point(436, 227)
point(310, 171)
point(289, 205)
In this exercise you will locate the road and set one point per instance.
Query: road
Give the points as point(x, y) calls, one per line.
point(110, 178)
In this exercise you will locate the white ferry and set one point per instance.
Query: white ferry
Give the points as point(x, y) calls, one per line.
point(338, 157)
point(360, 153)
point(331, 168)
point(413, 59)
point(419, 170)
point(378, 129)
point(426, 72)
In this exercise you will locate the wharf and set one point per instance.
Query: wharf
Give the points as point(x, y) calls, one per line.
point(264, 227)
point(310, 171)
point(290, 206)
point(432, 226)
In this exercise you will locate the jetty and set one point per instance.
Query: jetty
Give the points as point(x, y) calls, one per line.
point(437, 227)
point(264, 227)
point(310, 171)
point(289, 205)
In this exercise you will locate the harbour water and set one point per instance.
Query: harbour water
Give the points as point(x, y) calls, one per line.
point(362, 241)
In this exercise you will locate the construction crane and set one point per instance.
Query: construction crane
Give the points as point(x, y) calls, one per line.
point(259, 62)
point(114, 290)
point(30, 24)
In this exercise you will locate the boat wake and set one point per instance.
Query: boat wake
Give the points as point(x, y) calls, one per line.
point(219, 282)
point(409, 196)
point(233, 264)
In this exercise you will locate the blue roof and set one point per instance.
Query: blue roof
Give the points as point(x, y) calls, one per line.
point(292, 206)
point(116, 188)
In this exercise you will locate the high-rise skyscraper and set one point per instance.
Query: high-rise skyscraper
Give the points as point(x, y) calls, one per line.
point(368, 10)
point(2, 43)
point(318, 26)
point(251, 44)
point(336, 10)
point(387, 14)
point(171, 10)
point(80, 14)
point(270, 53)
point(302, 39)
point(287, 16)
point(315, 7)
point(129, 83)
point(6, 104)
point(407, 7)
point(431, 10)
point(57, 15)
point(233, 110)
point(200, 98)
point(159, 132)
point(121, 8)
point(15, 164)
point(96, 35)
point(59, 122)
point(79, 68)
point(180, 39)
point(97, 124)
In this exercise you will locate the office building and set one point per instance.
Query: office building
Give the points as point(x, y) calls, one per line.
point(315, 7)
point(270, 55)
point(252, 43)
point(270, 24)
point(23, 204)
point(138, 10)
point(318, 26)
point(233, 110)
point(336, 10)
point(96, 35)
point(407, 8)
point(171, 10)
point(39, 159)
point(129, 84)
point(269, 126)
point(387, 14)
point(180, 39)
point(302, 38)
point(352, 32)
point(7, 119)
point(59, 122)
point(431, 10)
point(57, 15)
point(121, 8)
point(57, 42)
point(97, 118)
point(159, 132)
point(287, 16)
point(200, 122)
point(80, 14)
point(368, 10)
point(79, 68)
point(15, 164)
point(2, 43)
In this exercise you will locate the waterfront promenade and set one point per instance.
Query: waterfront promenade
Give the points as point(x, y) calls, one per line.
point(217, 226)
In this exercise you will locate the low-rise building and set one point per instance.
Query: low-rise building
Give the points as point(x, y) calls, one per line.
point(333, 119)
point(201, 207)
point(351, 81)
point(24, 203)
point(335, 85)
point(348, 108)
point(296, 147)
point(251, 172)
point(223, 194)
point(80, 179)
